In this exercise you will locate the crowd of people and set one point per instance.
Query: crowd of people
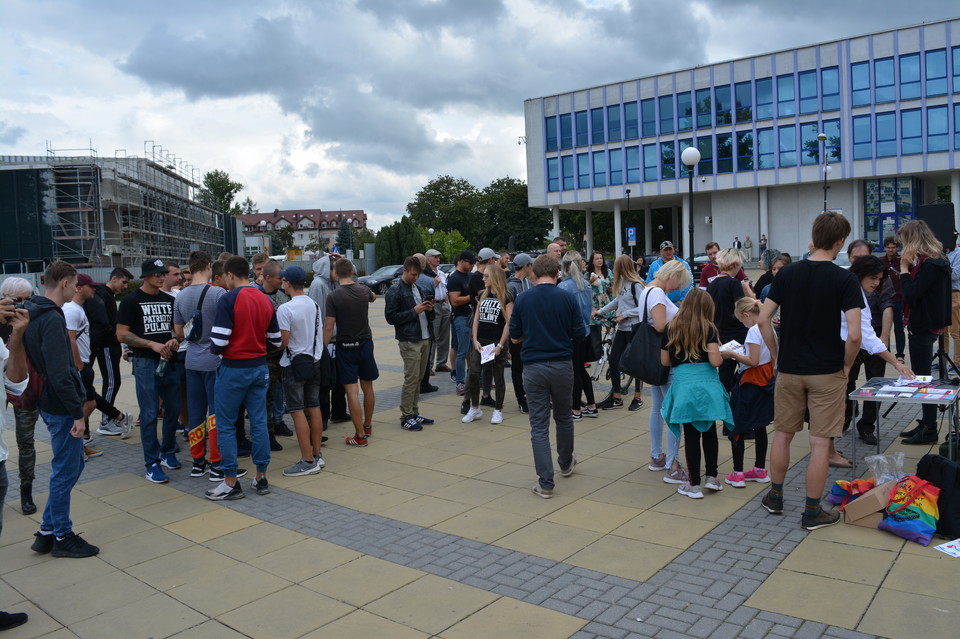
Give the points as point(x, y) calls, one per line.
point(222, 349)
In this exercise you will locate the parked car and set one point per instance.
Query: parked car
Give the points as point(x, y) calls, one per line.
point(447, 268)
point(699, 261)
point(379, 281)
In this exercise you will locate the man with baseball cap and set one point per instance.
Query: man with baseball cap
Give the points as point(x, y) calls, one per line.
point(440, 346)
point(145, 324)
point(667, 253)
point(458, 292)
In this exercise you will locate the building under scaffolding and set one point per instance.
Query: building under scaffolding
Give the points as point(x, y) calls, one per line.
point(107, 212)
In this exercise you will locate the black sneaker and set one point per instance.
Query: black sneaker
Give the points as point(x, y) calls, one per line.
point(225, 492)
point(43, 543)
point(523, 407)
point(261, 486)
point(10, 620)
point(464, 406)
point(216, 473)
point(336, 419)
point(428, 388)
point(912, 431)
point(610, 403)
point(200, 468)
point(487, 400)
point(73, 546)
point(869, 439)
point(274, 444)
point(282, 430)
point(822, 519)
point(773, 503)
point(636, 404)
point(924, 436)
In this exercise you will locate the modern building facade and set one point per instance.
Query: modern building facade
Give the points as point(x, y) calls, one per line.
point(311, 228)
point(888, 104)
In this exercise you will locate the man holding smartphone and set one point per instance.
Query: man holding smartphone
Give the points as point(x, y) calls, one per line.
point(409, 308)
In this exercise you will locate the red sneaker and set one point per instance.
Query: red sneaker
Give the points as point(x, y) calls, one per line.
point(353, 440)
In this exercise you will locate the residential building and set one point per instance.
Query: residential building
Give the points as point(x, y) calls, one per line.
point(311, 228)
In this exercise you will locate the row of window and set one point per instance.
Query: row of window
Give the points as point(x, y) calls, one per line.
point(762, 99)
point(877, 135)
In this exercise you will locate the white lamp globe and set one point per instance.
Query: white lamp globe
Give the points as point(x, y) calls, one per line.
point(690, 156)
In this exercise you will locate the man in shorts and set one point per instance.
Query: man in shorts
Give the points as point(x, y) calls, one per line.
point(812, 360)
point(348, 311)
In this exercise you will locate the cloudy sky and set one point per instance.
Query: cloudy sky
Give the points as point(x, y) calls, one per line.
point(358, 103)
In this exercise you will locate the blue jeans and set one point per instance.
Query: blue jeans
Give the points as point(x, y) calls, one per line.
point(65, 470)
point(150, 389)
point(462, 339)
point(200, 403)
point(656, 425)
point(247, 386)
point(550, 385)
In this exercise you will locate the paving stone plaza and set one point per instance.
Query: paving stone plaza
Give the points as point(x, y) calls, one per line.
point(437, 534)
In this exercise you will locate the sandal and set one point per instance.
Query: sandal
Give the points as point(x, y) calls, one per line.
point(839, 461)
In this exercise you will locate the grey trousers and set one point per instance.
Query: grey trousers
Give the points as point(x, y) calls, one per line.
point(440, 345)
point(549, 385)
point(26, 421)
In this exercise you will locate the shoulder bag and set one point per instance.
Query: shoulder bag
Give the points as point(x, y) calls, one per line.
point(641, 357)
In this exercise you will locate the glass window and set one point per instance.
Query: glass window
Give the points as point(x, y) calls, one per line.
point(910, 76)
point(744, 95)
point(684, 145)
point(633, 164)
point(721, 98)
point(787, 144)
point(648, 113)
point(550, 124)
point(704, 109)
point(553, 174)
point(613, 123)
point(668, 160)
point(616, 166)
point(936, 72)
point(705, 146)
point(666, 114)
point(956, 129)
point(911, 132)
point(860, 83)
point(862, 138)
point(596, 125)
point(566, 131)
point(811, 145)
point(830, 89)
point(886, 134)
point(583, 135)
point(936, 129)
point(786, 96)
point(883, 81)
point(764, 99)
point(566, 164)
point(725, 153)
point(599, 168)
point(832, 129)
point(583, 170)
point(684, 112)
point(808, 92)
point(765, 148)
point(650, 162)
point(956, 74)
point(631, 129)
point(744, 151)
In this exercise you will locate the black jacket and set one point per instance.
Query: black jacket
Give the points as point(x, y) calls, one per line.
point(105, 322)
point(398, 311)
point(928, 295)
point(49, 350)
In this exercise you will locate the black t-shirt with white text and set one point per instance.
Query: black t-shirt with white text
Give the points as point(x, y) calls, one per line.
point(149, 317)
point(490, 320)
point(812, 295)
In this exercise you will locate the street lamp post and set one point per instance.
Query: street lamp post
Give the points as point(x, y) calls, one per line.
point(431, 231)
point(826, 165)
point(628, 212)
point(690, 157)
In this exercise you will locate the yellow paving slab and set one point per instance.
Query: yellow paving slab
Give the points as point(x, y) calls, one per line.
point(549, 540)
point(213, 524)
point(94, 596)
point(372, 498)
point(140, 496)
point(254, 541)
point(376, 471)
point(905, 615)
point(593, 515)
point(219, 591)
point(523, 501)
point(424, 481)
point(288, 563)
point(605, 467)
point(351, 582)
point(181, 567)
point(36, 581)
point(425, 510)
point(628, 494)
point(361, 623)
point(8, 595)
point(839, 561)
point(665, 529)
point(715, 507)
point(141, 547)
point(156, 616)
point(326, 485)
point(40, 623)
point(171, 510)
point(210, 630)
point(510, 449)
point(17, 527)
point(288, 613)
point(421, 455)
point(472, 491)
point(935, 575)
point(103, 532)
point(624, 557)
point(431, 604)
point(484, 524)
point(469, 465)
point(830, 601)
point(860, 536)
point(509, 618)
point(16, 556)
point(518, 475)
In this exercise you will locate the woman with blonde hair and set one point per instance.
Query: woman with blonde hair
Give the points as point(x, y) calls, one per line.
point(574, 283)
point(626, 284)
point(926, 283)
point(491, 325)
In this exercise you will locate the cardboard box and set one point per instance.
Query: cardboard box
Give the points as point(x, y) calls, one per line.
point(867, 509)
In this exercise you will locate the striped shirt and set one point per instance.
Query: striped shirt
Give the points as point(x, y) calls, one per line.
point(245, 328)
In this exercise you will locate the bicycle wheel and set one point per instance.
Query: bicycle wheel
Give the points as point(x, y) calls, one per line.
point(626, 384)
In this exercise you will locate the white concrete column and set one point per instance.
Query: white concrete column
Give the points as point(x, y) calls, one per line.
point(589, 221)
point(688, 251)
point(555, 209)
point(955, 197)
point(647, 230)
point(764, 213)
point(857, 226)
point(617, 230)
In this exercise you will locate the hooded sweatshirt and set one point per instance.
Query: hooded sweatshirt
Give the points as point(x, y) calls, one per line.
point(63, 392)
point(927, 293)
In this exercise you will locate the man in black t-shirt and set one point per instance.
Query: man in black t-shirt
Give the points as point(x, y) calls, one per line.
point(145, 324)
point(813, 361)
point(458, 292)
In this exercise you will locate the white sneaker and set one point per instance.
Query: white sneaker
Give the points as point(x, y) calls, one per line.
point(497, 417)
point(126, 423)
point(712, 483)
point(319, 460)
point(693, 492)
point(110, 429)
point(472, 414)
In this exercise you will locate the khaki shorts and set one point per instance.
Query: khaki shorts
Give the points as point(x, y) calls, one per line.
point(823, 395)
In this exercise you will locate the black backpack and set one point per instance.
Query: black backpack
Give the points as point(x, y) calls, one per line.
point(945, 475)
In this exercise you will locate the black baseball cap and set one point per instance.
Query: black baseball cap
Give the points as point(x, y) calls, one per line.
point(468, 256)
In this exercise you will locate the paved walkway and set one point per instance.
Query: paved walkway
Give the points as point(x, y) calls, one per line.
point(438, 534)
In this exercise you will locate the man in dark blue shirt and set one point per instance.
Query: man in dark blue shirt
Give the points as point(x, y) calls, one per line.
point(546, 322)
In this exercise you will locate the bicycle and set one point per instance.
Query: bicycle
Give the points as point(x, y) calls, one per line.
point(602, 368)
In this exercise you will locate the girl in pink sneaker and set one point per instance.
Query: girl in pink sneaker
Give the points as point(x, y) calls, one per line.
point(752, 397)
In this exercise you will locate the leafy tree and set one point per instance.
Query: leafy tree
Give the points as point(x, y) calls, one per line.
point(450, 243)
point(247, 207)
point(281, 239)
point(364, 237)
point(218, 191)
point(346, 239)
point(448, 203)
point(507, 215)
point(397, 241)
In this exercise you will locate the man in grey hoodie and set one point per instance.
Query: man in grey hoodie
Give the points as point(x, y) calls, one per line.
point(61, 407)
